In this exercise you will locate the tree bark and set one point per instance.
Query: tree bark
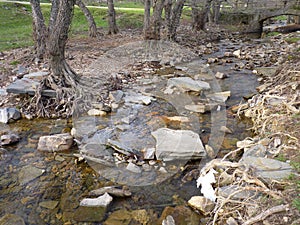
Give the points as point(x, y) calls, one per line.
point(200, 14)
point(39, 30)
point(153, 32)
point(113, 29)
point(147, 7)
point(62, 74)
point(89, 17)
point(175, 19)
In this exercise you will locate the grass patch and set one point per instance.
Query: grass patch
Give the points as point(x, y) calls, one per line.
point(16, 28)
point(16, 22)
point(292, 40)
point(272, 34)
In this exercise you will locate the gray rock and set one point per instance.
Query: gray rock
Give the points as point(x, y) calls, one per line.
point(268, 169)
point(29, 173)
point(133, 168)
point(55, 143)
point(3, 91)
point(11, 219)
point(149, 153)
point(188, 84)
point(112, 190)
point(8, 139)
point(9, 115)
point(196, 108)
point(98, 153)
point(178, 145)
point(219, 96)
point(138, 98)
point(89, 214)
point(116, 96)
point(27, 86)
point(240, 194)
point(202, 204)
point(256, 151)
point(220, 75)
point(121, 148)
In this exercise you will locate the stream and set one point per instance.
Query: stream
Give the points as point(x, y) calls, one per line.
point(46, 188)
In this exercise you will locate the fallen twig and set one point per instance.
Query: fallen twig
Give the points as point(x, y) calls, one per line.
point(265, 214)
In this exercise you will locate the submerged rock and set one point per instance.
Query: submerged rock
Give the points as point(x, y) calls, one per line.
point(29, 173)
point(188, 84)
point(56, 142)
point(8, 115)
point(178, 145)
point(11, 219)
point(112, 190)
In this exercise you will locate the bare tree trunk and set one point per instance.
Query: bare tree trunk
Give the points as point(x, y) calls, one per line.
point(175, 19)
point(53, 13)
point(39, 30)
point(147, 6)
point(153, 33)
point(62, 75)
point(89, 17)
point(168, 13)
point(200, 15)
point(216, 4)
point(113, 29)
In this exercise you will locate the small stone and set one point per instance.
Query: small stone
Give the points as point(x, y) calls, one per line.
point(133, 168)
point(49, 204)
point(9, 115)
point(116, 96)
point(149, 153)
point(168, 221)
point(36, 75)
point(237, 53)
point(163, 170)
point(59, 158)
point(96, 112)
point(231, 221)
point(225, 130)
point(9, 139)
point(204, 205)
point(210, 151)
point(220, 96)
point(103, 201)
point(55, 143)
point(220, 75)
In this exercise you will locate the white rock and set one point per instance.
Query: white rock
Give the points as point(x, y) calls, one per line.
point(220, 96)
point(237, 53)
point(244, 143)
point(103, 200)
point(188, 84)
point(225, 130)
point(220, 75)
point(96, 112)
point(196, 108)
point(149, 153)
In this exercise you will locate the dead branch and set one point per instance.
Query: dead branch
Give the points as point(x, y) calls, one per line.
point(265, 214)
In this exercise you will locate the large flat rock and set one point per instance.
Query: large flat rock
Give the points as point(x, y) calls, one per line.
point(178, 145)
point(27, 86)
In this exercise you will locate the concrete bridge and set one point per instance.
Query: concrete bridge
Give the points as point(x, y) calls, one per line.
point(261, 10)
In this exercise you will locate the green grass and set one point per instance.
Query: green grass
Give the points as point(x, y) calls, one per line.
point(15, 28)
point(292, 40)
point(16, 22)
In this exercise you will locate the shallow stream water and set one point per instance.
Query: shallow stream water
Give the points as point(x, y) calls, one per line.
point(53, 196)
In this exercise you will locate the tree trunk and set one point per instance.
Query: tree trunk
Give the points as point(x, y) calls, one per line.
point(216, 11)
point(147, 6)
point(62, 74)
point(39, 30)
point(89, 17)
point(168, 13)
point(200, 15)
point(153, 33)
point(175, 19)
point(113, 29)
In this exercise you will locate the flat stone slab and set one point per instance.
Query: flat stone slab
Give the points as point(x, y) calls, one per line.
point(27, 86)
point(268, 169)
point(188, 84)
point(178, 145)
